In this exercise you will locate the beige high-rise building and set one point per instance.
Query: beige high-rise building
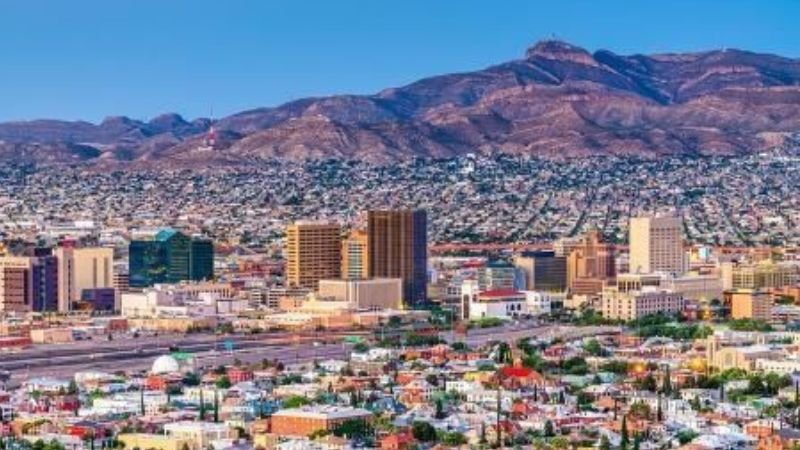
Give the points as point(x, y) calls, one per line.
point(82, 268)
point(590, 264)
point(355, 256)
point(750, 304)
point(16, 284)
point(313, 253)
point(656, 245)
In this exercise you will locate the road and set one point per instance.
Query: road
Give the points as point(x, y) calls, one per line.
point(132, 355)
point(513, 332)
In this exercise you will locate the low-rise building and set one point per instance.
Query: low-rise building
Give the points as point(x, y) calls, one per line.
point(308, 419)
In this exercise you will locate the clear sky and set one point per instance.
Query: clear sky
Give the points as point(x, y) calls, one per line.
point(87, 59)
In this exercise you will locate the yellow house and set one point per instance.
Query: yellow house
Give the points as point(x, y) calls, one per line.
point(153, 441)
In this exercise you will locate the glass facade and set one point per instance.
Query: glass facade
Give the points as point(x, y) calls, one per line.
point(170, 257)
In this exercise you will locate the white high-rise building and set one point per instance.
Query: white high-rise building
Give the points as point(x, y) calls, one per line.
point(656, 245)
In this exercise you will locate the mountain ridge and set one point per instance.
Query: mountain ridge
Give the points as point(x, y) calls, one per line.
point(558, 100)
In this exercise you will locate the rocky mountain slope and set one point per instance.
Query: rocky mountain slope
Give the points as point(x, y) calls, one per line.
point(558, 101)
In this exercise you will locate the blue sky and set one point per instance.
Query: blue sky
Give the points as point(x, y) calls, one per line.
point(94, 58)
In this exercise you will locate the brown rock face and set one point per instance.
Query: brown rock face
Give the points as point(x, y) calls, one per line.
point(560, 101)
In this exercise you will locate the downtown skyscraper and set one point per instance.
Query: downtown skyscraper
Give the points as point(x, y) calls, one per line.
point(398, 247)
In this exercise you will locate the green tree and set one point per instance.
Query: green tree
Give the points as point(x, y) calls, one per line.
point(216, 407)
point(453, 439)
point(605, 444)
point(223, 382)
point(354, 429)
point(549, 429)
point(423, 432)
point(624, 438)
point(593, 348)
point(439, 409)
point(667, 384)
point(295, 401)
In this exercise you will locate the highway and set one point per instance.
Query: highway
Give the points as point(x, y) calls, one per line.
point(133, 355)
point(136, 355)
point(513, 332)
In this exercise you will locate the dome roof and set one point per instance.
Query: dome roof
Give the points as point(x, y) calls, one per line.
point(165, 364)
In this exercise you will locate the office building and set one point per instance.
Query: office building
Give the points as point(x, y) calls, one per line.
point(656, 245)
point(544, 271)
point(750, 304)
point(201, 260)
point(398, 246)
point(764, 274)
point(355, 256)
point(497, 275)
point(631, 305)
point(590, 264)
point(376, 293)
point(44, 274)
point(313, 253)
point(100, 299)
point(169, 256)
point(16, 284)
point(82, 268)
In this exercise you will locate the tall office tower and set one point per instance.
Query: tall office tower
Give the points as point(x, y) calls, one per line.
point(16, 284)
point(355, 255)
point(82, 268)
point(590, 264)
point(656, 245)
point(201, 261)
point(544, 271)
point(169, 256)
point(313, 253)
point(44, 278)
point(398, 247)
point(565, 245)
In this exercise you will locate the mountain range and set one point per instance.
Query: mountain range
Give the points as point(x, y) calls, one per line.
point(558, 101)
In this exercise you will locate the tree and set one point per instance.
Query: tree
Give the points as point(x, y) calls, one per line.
point(439, 409)
point(637, 441)
point(216, 407)
point(640, 410)
point(295, 401)
point(605, 444)
point(354, 429)
point(667, 384)
point(647, 383)
point(549, 429)
point(453, 439)
point(624, 438)
point(593, 348)
point(223, 382)
point(482, 439)
point(559, 442)
point(191, 379)
point(576, 366)
point(686, 435)
point(504, 354)
point(141, 401)
point(659, 411)
point(423, 432)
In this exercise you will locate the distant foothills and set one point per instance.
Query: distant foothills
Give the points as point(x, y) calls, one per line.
point(559, 100)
